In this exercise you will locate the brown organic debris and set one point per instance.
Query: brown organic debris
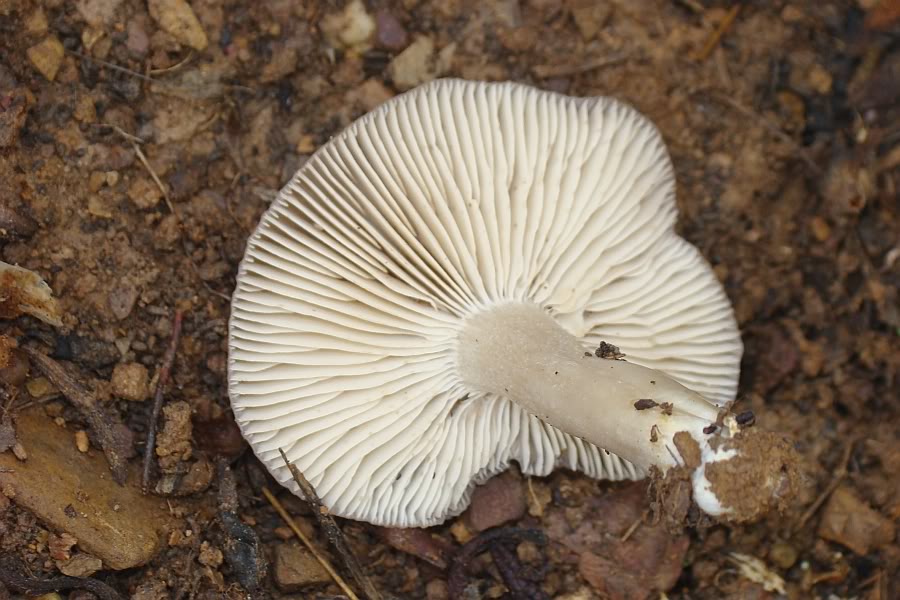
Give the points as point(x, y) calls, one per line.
point(242, 548)
point(499, 500)
point(24, 292)
point(849, 521)
point(645, 404)
point(332, 531)
point(640, 565)
point(165, 371)
point(609, 352)
point(417, 542)
point(107, 429)
point(501, 543)
point(766, 459)
point(14, 576)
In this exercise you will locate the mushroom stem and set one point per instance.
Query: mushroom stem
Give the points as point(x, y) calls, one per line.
point(520, 352)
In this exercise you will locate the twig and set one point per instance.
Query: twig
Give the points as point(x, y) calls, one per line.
point(514, 576)
point(165, 84)
point(632, 528)
point(839, 475)
point(548, 71)
point(143, 158)
point(11, 576)
point(110, 65)
point(456, 580)
point(174, 67)
point(164, 373)
point(242, 547)
point(332, 531)
point(123, 133)
point(716, 35)
point(306, 542)
point(87, 405)
point(165, 192)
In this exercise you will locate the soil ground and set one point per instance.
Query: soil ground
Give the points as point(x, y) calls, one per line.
point(784, 134)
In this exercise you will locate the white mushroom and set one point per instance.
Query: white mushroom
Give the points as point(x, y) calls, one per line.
point(416, 308)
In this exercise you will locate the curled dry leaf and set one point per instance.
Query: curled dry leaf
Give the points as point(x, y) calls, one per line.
point(24, 292)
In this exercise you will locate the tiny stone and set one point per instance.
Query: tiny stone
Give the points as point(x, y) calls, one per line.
point(80, 565)
point(96, 181)
point(36, 22)
point(122, 299)
point(783, 555)
point(210, 555)
point(130, 382)
point(47, 57)
point(144, 193)
point(296, 568)
point(60, 546)
point(177, 18)
point(820, 79)
point(81, 441)
point(40, 387)
point(99, 207)
point(528, 552)
point(437, 589)
point(413, 66)
point(500, 500)
point(138, 42)
point(391, 34)
point(19, 451)
point(350, 29)
point(460, 532)
point(820, 229)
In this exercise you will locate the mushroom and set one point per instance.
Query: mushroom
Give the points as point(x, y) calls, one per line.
point(420, 305)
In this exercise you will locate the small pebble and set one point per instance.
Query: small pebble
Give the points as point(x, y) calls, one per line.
point(391, 34)
point(81, 441)
point(783, 555)
point(296, 568)
point(130, 382)
point(47, 57)
point(177, 18)
point(81, 565)
point(437, 589)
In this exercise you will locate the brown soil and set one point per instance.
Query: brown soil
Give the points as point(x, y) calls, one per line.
point(784, 138)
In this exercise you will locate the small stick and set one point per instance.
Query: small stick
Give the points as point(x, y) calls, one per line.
point(87, 404)
point(164, 373)
point(174, 67)
point(548, 71)
point(716, 36)
point(112, 66)
point(332, 531)
point(306, 542)
point(839, 475)
point(143, 158)
point(632, 528)
point(11, 575)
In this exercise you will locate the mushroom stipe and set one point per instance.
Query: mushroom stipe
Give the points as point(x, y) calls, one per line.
point(391, 276)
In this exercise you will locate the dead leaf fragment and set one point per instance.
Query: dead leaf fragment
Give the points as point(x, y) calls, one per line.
point(24, 292)
point(849, 521)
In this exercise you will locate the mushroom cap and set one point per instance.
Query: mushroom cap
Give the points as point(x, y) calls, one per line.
point(450, 198)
